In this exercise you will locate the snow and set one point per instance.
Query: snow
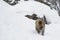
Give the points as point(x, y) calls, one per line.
point(15, 26)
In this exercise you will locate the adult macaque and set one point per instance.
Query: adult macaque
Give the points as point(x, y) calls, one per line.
point(40, 23)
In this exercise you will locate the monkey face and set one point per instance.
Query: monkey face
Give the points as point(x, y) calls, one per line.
point(40, 22)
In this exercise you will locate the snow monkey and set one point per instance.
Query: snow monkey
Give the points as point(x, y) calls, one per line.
point(40, 23)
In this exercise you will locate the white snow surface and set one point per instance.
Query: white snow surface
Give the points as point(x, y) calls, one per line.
point(15, 26)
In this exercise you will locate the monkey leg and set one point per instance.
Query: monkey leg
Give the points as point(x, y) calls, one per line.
point(37, 30)
point(43, 30)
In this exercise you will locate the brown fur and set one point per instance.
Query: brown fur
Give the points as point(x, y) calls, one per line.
point(40, 26)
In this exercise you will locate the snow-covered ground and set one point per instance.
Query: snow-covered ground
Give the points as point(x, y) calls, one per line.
point(15, 26)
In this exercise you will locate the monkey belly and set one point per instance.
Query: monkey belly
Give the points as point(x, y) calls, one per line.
point(41, 27)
